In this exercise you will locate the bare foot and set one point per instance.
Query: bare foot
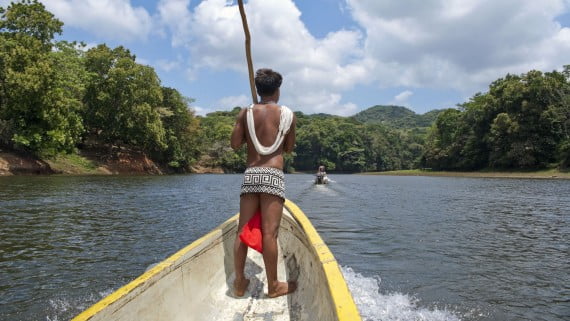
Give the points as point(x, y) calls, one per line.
point(282, 288)
point(240, 287)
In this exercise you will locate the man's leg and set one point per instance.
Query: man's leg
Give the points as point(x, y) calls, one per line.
point(271, 212)
point(248, 205)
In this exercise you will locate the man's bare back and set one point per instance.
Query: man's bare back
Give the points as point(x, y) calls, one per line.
point(266, 119)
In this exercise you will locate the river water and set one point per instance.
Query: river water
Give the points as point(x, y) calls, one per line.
point(411, 248)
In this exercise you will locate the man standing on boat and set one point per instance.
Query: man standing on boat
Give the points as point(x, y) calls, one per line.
point(261, 125)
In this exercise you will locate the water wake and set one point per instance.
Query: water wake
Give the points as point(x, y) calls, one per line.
point(65, 307)
point(374, 306)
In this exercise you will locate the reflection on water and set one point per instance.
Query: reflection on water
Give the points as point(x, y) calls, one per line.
point(412, 248)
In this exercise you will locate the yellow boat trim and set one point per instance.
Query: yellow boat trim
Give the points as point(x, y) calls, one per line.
point(346, 309)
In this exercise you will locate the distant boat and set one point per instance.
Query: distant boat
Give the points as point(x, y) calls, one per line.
point(196, 282)
point(321, 178)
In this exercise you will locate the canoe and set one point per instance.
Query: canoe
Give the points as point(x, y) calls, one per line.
point(196, 282)
point(321, 179)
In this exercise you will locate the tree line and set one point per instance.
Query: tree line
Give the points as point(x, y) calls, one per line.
point(57, 97)
point(339, 143)
point(522, 122)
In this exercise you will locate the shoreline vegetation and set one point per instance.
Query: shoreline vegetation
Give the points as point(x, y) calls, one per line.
point(88, 162)
point(541, 174)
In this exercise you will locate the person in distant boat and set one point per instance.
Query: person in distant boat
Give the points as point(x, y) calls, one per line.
point(268, 129)
point(321, 175)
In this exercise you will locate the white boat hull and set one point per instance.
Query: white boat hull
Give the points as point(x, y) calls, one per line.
point(196, 282)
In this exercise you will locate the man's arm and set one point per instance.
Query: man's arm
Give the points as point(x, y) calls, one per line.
point(290, 139)
point(238, 134)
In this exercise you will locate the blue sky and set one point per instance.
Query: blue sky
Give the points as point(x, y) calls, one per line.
point(336, 56)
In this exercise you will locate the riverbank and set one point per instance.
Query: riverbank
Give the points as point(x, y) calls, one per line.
point(119, 161)
point(85, 162)
point(543, 174)
point(18, 164)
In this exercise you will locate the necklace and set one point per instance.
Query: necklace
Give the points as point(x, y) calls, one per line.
point(267, 102)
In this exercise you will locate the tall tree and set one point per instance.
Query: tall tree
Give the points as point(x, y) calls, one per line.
point(123, 100)
point(36, 115)
point(522, 134)
point(182, 129)
point(442, 151)
point(561, 114)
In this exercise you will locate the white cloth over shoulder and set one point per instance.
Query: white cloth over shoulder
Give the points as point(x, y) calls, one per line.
point(284, 124)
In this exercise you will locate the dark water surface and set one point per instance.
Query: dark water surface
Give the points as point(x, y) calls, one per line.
point(412, 248)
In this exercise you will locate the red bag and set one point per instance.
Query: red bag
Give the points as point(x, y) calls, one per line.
point(251, 233)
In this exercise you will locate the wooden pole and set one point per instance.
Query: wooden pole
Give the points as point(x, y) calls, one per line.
point(248, 51)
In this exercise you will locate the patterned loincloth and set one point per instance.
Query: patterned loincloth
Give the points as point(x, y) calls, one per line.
point(264, 180)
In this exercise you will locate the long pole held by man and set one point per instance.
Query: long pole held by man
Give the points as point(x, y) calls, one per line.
point(247, 50)
point(268, 129)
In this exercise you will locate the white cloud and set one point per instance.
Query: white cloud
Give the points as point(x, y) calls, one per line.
point(110, 19)
point(230, 102)
point(168, 65)
point(346, 109)
point(90, 45)
point(402, 98)
point(324, 102)
point(175, 16)
point(461, 44)
point(317, 68)
point(201, 111)
point(143, 61)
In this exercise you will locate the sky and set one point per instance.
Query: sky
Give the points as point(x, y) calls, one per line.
point(336, 56)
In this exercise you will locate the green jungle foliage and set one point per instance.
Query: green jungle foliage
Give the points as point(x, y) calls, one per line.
point(56, 97)
point(522, 122)
point(215, 142)
point(339, 143)
point(345, 144)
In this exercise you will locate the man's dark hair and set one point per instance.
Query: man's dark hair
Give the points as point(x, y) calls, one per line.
point(267, 81)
